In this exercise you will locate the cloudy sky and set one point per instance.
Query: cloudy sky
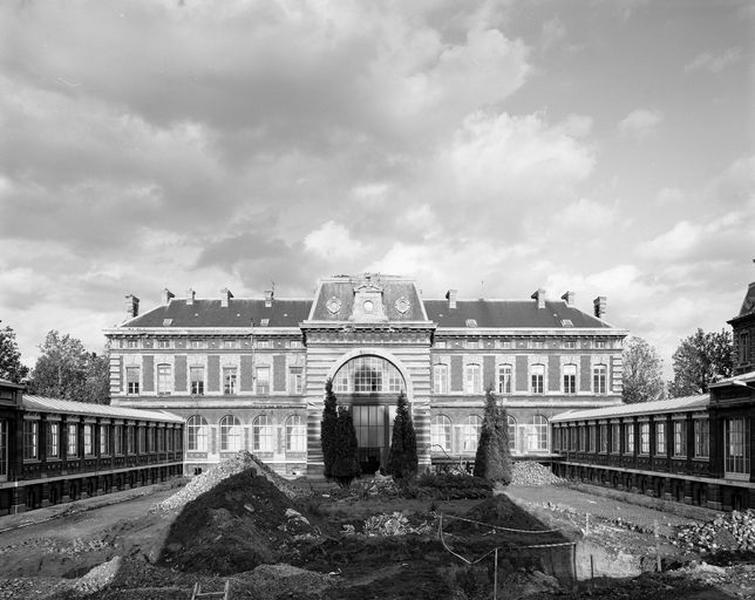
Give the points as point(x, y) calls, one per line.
point(606, 147)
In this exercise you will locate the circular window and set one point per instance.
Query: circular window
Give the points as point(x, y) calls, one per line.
point(368, 306)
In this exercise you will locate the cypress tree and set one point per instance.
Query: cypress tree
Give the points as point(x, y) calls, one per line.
point(346, 462)
point(402, 458)
point(493, 458)
point(328, 429)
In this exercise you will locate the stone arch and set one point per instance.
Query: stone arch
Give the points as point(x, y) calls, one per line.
point(391, 358)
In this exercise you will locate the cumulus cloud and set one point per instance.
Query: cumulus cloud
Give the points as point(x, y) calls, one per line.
point(714, 63)
point(332, 241)
point(640, 123)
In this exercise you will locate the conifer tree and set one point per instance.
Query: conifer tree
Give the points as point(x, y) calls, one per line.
point(402, 458)
point(346, 462)
point(493, 458)
point(328, 429)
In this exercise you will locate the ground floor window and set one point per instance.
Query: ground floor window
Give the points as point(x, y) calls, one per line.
point(296, 434)
point(536, 434)
point(197, 433)
point(702, 438)
point(511, 422)
point(644, 438)
point(660, 438)
point(231, 434)
point(31, 439)
point(737, 445)
point(440, 433)
point(262, 434)
point(3, 449)
point(53, 440)
point(470, 433)
point(680, 438)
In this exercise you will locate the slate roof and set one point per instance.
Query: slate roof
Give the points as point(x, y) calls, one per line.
point(242, 312)
point(748, 304)
point(393, 290)
point(54, 405)
point(640, 408)
point(509, 313)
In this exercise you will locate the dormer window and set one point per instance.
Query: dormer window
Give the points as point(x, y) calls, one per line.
point(264, 322)
point(471, 322)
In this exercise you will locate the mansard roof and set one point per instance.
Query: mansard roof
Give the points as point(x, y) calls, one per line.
point(240, 312)
point(510, 313)
point(748, 304)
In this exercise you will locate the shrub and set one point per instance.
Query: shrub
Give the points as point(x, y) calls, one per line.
point(493, 458)
point(402, 458)
point(328, 429)
point(345, 463)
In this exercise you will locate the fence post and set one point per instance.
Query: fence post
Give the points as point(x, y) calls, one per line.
point(495, 575)
point(657, 546)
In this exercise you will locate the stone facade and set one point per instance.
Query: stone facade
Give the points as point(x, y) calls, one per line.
point(250, 373)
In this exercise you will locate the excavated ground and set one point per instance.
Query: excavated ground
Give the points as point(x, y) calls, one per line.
point(367, 544)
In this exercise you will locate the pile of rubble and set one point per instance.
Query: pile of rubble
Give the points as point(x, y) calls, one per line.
point(99, 577)
point(733, 532)
point(241, 461)
point(532, 474)
point(396, 523)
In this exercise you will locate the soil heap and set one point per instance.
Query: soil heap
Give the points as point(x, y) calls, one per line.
point(241, 461)
point(532, 474)
point(240, 523)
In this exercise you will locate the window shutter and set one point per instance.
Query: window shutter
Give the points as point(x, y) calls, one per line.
point(180, 383)
point(246, 377)
point(148, 372)
point(279, 373)
point(522, 381)
point(213, 373)
point(554, 373)
point(488, 373)
point(585, 374)
point(457, 374)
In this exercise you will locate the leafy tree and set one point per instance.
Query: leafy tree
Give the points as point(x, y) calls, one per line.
point(346, 463)
point(701, 359)
point(328, 429)
point(643, 377)
point(66, 370)
point(402, 458)
point(10, 357)
point(493, 458)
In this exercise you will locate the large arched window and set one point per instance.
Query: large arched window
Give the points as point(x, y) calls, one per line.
point(262, 434)
point(368, 375)
point(440, 433)
point(537, 434)
point(296, 434)
point(470, 433)
point(197, 432)
point(512, 432)
point(231, 434)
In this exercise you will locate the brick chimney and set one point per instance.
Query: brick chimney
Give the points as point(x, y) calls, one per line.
point(539, 296)
point(167, 295)
point(451, 297)
point(225, 297)
point(132, 306)
point(268, 298)
point(599, 306)
point(568, 297)
point(190, 297)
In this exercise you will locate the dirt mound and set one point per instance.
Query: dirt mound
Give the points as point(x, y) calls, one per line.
point(242, 522)
point(500, 511)
point(731, 532)
point(241, 461)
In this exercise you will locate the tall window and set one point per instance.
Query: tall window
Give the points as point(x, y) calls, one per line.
point(53, 439)
point(3, 449)
point(629, 438)
point(511, 422)
point(472, 379)
point(680, 438)
point(570, 379)
point(104, 439)
point(737, 446)
point(702, 438)
point(262, 434)
point(130, 439)
point(591, 445)
point(88, 439)
point(603, 438)
point(537, 376)
point(440, 379)
point(504, 379)
point(615, 438)
point(440, 433)
point(231, 434)
point(197, 433)
point(470, 433)
point(262, 385)
point(744, 347)
point(163, 344)
point(132, 380)
point(660, 438)
point(118, 439)
point(73, 439)
point(295, 380)
point(645, 438)
point(296, 434)
point(599, 379)
point(31, 439)
point(229, 380)
point(196, 374)
point(164, 383)
point(537, 434)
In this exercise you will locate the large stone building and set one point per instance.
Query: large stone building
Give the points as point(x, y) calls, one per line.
point(250, 373)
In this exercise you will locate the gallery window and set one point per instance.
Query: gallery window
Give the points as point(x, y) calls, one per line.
point(231, 434)
point(197, 434)
point(296, 434)
point(440, 433)
point(262, 434)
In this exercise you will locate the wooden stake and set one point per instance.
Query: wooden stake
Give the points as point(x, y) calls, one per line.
point(495, 576)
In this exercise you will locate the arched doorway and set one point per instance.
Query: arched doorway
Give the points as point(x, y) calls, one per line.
point(370, 385)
